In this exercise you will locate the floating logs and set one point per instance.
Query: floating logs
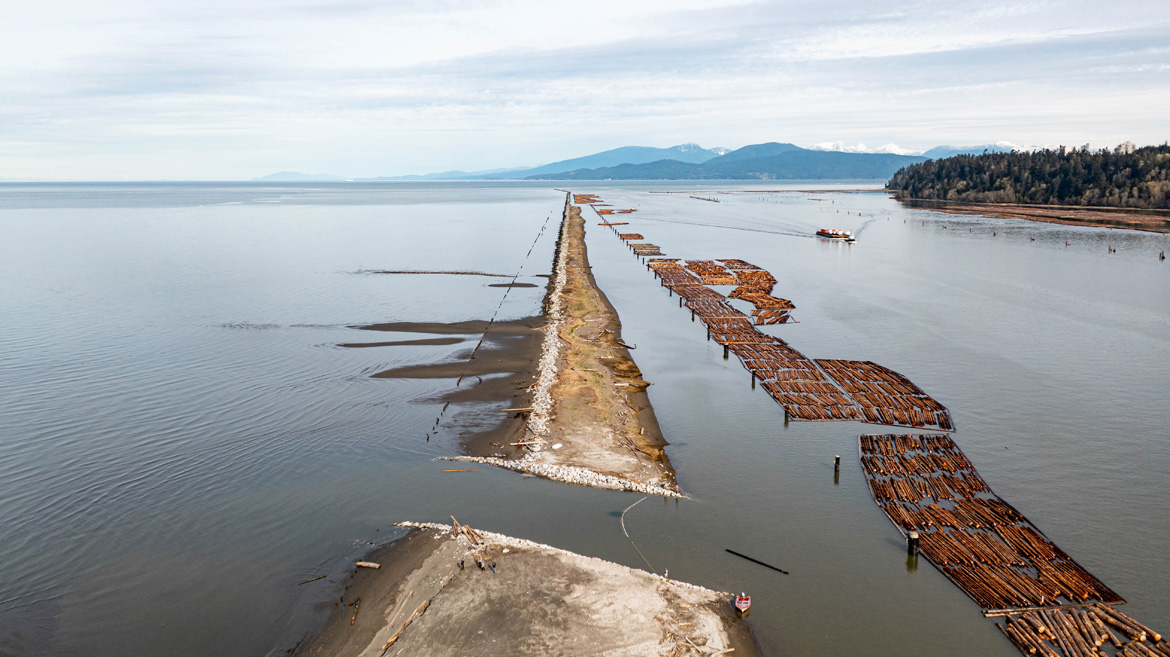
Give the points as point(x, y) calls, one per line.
point(645, 249)
point(1081, 632)
point(978, 541)
point(711, 273)
point(808, 390)
point(887, 397)
point(769, 317)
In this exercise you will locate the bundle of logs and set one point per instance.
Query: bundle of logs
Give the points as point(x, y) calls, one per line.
point(769, 317)
point(585, 199)
point(645, 249)
point(630, 236)
point(1082, 633)
point(978, 541)
point(711, 273)
point(887, 397)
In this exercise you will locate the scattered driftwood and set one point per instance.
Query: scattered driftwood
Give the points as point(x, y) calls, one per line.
point(473, 536)
point(356, 603)
point(312, 580)
point(417, 612)
point(460, 470)
point(744, 556)
point(516, 410)
point(368, 564)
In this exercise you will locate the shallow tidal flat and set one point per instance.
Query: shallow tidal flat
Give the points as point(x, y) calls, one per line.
point(182, 429)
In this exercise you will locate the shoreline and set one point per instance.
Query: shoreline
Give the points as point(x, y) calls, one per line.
point(540, 600)
point(1092, 217)
point(589, 404)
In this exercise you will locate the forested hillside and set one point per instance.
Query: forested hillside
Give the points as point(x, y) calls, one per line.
point(1123, 178)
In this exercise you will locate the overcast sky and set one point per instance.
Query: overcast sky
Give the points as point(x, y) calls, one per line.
point(233, 89)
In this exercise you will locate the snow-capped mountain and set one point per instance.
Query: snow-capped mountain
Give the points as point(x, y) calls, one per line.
point(842, 147)
point(936, 152)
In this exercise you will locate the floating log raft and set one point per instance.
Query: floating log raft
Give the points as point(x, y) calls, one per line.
point(981, 543)
point(645, 249)
point(769, 317)
point(735, 263)
point(1083, 631)
point(802, 386)
point(585, 199)
point(887, 397)
point(711, 273)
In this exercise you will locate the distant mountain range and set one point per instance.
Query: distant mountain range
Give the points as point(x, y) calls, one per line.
point(293, 176)
point(689, 153)
point(769, 161)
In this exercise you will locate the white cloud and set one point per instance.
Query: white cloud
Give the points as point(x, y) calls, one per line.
point(221, 89)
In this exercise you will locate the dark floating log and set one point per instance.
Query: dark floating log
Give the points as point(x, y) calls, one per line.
point(744, 556)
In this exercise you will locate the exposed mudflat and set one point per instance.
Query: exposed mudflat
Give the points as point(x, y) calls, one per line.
point(1054, 214)
point(403, 343)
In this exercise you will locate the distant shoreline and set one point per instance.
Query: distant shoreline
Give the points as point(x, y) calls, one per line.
point(1069, 215)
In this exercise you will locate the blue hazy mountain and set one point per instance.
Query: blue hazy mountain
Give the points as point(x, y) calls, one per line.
point(293, 176)
point(771, 161)
point(690, 153)
point(752, 151)
point(457, 175)
point(767, 161)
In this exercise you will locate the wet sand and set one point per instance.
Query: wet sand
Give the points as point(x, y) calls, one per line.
point(1055, 214)
point(502, 372)
point(402, 343)
point(540, 601)
point(425, 272)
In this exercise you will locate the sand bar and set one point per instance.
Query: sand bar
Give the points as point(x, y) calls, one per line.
point(1055, 214)
point(539, 600)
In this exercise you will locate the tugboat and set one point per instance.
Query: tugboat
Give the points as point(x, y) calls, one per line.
point(743, 605)
point(836, 234)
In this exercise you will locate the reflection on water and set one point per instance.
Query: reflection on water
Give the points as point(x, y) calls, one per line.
point(182, 440)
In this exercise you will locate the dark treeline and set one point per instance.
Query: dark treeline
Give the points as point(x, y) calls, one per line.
point(1127, 177)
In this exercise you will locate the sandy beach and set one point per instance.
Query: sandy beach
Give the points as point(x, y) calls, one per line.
point(539, 600)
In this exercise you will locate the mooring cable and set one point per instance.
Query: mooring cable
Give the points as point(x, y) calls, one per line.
point(623, 522)
point(491, 321)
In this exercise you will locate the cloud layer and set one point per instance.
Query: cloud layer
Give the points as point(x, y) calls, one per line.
point(228, 90)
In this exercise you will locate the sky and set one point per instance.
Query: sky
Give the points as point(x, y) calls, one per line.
point(235, 89)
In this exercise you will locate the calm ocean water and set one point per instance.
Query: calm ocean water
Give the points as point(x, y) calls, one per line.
point(182, 440)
